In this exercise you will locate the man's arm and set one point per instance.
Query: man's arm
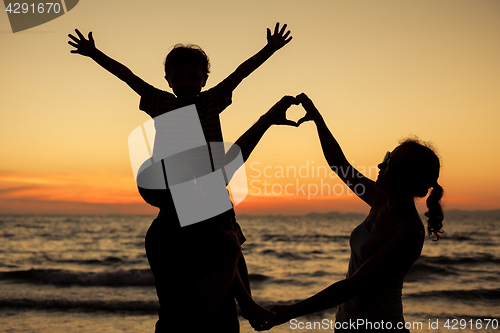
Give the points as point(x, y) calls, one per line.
point(275, 42)
point(275, 116)
point(87, 48)
point(249, 140)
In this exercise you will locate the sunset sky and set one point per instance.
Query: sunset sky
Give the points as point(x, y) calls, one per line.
point(379, 71)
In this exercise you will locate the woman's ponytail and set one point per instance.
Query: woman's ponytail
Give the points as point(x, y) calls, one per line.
point(435, 214)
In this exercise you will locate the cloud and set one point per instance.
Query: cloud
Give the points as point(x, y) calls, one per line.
point(11, 190)
point(33, 206)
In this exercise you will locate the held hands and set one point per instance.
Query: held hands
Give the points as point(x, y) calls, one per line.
point(83, 46)
point(282, 314)
point(279, 38)
point(277, 114)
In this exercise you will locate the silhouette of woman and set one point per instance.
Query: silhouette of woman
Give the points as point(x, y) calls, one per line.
point(386, 244)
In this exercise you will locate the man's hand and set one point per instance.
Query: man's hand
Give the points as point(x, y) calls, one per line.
point(279, 38)
point(83, 46)
point(277, 114)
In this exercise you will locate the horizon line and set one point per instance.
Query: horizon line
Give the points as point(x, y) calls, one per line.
point(243, 214)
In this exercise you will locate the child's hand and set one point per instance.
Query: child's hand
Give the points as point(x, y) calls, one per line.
point(312, 112)
point(83, 46)
point(279, 39)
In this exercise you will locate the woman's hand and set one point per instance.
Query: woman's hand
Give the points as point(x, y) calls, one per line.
point(307, 104)
point(277, 114)
point(83, 46)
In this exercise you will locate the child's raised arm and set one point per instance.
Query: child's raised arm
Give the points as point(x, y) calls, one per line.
point(275, 41)
point(87, 48)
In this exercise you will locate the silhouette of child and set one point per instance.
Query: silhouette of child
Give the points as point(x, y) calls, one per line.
point(199, 268)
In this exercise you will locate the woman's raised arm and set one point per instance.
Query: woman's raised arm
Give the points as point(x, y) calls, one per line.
point(356, 181)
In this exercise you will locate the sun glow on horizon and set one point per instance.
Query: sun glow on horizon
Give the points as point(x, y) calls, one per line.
point(377, 70)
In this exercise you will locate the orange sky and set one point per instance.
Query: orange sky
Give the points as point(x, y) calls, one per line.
point(377, 70)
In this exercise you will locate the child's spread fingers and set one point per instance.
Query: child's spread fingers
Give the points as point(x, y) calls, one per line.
point(73, 38)
point(73, 44)
point(79, 34)
point(276, 27)
point(283, 29)
point(286, 35)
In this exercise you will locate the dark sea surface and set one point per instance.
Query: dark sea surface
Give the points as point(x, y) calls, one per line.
point(90, 273)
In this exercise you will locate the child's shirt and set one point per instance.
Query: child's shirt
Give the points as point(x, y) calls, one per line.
point(209, 104)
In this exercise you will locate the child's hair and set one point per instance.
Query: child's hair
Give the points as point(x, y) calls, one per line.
point(425, 167)
point(187, 54)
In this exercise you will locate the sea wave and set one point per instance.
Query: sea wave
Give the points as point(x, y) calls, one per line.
point(446, 266)
point(304, 238)
point(283, 255)
point(148, 307)
point(108, 261)
point(258, 277)
point(483, 258)
point(111, 306)
point(117, 278)
point(422, 270)
point(474, 294)
point(294, 282)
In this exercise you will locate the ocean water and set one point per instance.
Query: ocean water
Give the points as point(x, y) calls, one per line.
point(90, 273)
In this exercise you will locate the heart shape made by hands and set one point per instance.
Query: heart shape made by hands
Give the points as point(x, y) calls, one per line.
point(295, 112)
